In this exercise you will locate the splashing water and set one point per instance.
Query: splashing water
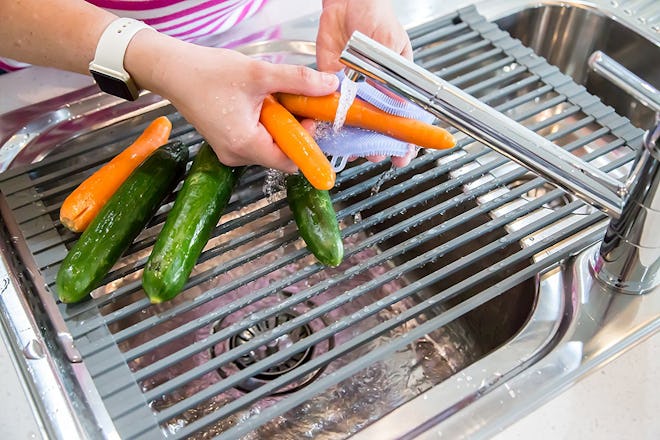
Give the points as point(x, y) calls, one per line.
point(387, 175)
point(274, 183)
point(323, 130)
point(348, 92)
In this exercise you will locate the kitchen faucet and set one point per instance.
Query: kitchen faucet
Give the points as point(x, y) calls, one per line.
point(629, 256)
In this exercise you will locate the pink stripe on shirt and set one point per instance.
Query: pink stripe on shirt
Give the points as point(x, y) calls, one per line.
point(184, 19)
point(198, 26)
point(187, 12)
point(135, 5)
point(185, 22)
point(10, 65)
point(247, 11)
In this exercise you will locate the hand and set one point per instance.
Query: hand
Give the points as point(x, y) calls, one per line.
point(220, 92)
point(340, 18)
point(375, 19)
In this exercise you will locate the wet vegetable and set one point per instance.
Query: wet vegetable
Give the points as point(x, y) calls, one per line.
point(119, 222)
point(316, 219)
point(198, 206)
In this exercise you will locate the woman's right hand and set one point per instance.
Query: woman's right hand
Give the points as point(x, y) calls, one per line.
point(220, 92)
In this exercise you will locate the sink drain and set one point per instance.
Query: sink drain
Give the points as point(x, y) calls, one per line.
point(278, 344)
point(264, 351)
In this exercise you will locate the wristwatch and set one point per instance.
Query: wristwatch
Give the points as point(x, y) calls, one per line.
point(107, 68)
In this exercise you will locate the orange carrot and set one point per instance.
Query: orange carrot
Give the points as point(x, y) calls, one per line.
point(297, 144)
point(85, 202)
point(364, 115)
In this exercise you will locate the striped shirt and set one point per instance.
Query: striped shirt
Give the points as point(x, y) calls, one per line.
point(184, 19)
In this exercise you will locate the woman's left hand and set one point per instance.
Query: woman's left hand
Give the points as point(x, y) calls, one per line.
point(340, 18)
point(374, 18)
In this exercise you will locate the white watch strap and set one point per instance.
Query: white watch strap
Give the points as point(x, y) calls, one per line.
point(111, 48)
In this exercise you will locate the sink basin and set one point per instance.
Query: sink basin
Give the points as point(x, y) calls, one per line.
point(347, 309)
point(463, 302)
point(567, 36)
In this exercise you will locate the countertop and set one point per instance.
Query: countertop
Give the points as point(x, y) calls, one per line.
point(617, 401)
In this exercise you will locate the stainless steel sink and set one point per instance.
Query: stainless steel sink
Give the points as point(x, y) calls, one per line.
point(465, 299)
point(567, 36)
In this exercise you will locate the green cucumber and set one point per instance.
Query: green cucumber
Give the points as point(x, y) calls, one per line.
point(119, 222)
point(316, 219)
point(201, 201)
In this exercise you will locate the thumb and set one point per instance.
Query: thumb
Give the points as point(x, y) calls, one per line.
point(299, 80)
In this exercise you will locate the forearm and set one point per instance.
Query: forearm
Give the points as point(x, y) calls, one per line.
point(61, 34)
point(157, 62)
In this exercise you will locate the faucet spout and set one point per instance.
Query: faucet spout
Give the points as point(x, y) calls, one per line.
point(630, 254)
point(483, 123)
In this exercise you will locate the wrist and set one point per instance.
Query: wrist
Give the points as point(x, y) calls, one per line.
point(107, 67)
point(144, 58)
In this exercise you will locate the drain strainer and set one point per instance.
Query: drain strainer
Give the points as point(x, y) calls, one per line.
point(278, 344)
point(272, 371)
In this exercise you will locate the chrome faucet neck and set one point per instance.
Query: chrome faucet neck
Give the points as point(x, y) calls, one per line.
point(629, 257)
point(630, 253)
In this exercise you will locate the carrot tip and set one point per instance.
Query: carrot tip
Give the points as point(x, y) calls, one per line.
point(74, 223)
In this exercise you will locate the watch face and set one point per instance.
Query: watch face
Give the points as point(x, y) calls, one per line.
point(115, 86)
